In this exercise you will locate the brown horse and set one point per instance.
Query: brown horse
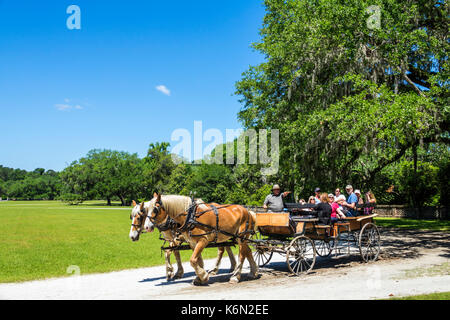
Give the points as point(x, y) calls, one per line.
point(138, 215)
point(232, 220)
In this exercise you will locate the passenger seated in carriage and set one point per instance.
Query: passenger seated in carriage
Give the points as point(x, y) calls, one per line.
point(336, 211)
point(370, 199)
point(323, 209)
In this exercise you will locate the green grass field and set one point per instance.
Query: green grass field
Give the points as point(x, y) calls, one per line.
point(431, 296)
point(42, 239)
point(413, 224)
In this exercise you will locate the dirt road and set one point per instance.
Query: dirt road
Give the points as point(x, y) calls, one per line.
point(412, 262)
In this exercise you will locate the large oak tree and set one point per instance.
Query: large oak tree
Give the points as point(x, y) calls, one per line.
point(349, 96)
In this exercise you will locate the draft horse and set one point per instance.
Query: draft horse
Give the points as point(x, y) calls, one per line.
point(138, 216)
point(204, 224)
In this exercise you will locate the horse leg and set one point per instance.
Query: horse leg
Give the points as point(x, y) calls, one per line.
point(180, 270)
point(253, 265)
point(236, 276)
point(200, 262)
point(232, 259)
point(196, 258)
point(220, 252)
point(169, 268)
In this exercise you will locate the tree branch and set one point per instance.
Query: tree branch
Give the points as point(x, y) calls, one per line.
point(413, 84)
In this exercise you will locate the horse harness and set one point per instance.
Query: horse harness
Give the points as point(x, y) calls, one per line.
point(169, 224)
point(191, 223)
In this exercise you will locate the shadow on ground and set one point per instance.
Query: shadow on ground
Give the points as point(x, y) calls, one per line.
point(408, 244)
point(395, 244)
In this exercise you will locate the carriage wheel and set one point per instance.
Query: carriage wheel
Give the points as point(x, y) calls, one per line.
point(369, 242)
point(301, 255)
point(261, 253)
point(324, 247)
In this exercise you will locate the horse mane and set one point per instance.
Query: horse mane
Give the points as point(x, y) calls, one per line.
point(176, 204)
point(173, 204)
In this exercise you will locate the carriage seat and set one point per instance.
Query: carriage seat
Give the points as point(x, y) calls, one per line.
point(323, 226)
point(343, 223)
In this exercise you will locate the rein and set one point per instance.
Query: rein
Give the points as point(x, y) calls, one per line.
point(191, 223)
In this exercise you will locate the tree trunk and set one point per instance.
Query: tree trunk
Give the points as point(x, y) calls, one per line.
point(415, 196)
point(122, 200)
point(109, 201)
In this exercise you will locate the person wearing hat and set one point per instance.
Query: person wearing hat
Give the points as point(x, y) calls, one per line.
point(274, 201)
point(317, 195)
point(352, 200)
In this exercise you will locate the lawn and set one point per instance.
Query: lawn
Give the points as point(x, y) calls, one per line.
point(431, 296)
point(41, 239)
point(414, 224)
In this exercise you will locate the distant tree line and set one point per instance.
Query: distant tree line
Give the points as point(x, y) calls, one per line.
point(34, 185)
point(120, 176)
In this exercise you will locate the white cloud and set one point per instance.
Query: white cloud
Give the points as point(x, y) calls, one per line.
point(67, 107)
point(163, 89)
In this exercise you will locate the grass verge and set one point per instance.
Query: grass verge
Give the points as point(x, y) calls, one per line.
point(431, 296)
point(42, 239)
point(414, 224)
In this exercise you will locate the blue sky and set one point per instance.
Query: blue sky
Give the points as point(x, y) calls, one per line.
point(64, 92)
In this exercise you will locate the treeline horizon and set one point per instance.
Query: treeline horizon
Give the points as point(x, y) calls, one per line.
point(121, 176)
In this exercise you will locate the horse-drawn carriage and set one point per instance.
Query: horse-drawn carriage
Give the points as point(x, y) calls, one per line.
point(299, 236)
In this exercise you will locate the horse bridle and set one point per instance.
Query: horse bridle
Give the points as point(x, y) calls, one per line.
point(141, 215)
point(156, 211)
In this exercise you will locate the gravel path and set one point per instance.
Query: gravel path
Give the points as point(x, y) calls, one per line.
point(412, 262)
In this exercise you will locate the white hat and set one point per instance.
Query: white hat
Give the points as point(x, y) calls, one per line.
point(357, 192)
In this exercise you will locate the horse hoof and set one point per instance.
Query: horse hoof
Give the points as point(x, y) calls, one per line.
point(213, 272)
point(253, 276)
point(178, 276)
point(198, 282)
point(234, 280)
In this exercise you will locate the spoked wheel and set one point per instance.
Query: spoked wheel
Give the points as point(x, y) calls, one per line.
point(353, 237)
point(301, 255)
point(261, 253)
point(369, 242)
point(324, 247)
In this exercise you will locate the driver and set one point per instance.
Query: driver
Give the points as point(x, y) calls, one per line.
point(274, 201)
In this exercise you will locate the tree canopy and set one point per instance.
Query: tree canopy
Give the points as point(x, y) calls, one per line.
point(348, 98)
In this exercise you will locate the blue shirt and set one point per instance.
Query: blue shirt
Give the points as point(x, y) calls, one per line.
point(352, 199)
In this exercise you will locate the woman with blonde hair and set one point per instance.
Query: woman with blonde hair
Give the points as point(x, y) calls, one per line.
point(370, 198)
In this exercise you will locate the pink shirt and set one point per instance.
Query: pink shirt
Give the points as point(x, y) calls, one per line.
point(334, 207)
